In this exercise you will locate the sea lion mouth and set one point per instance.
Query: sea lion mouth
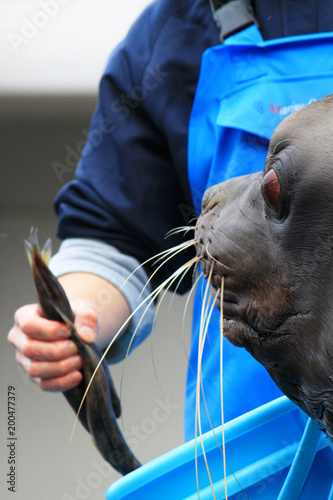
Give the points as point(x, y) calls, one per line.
point(241, 317)
point(231, 309)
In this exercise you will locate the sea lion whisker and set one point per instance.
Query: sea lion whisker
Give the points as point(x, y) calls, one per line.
point(169, 251)
point(192, 262)
point(130, 345)
point(211, 348)
point(173, 253)
point(221, 385)
point(197, 400)
point(194, 219)
point(187, 266)
point(210, 295)
point(210, 288)
point(189, 296)
point(150, 297)
point(195, 269)
point(181, 271)
point(157, 256)
point(197, 408)
point(215, 260)
point(212, 351)
point(154, 297)
point(154, 364)
point(207, 310)
point(206, 313)
point(218, 443)
point(207, 319)
point(202, 388)
point(183, 326)
point(225, 461)
point(181, 229)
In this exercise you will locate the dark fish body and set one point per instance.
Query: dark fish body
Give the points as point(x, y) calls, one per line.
point(101, 406)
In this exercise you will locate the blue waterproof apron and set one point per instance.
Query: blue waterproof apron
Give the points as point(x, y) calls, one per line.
point(246, 87)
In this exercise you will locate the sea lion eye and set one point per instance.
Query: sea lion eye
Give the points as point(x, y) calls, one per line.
point(271, 190)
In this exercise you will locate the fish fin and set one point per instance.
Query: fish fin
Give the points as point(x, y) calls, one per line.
point(31, 245)
point(46, 251)
point(34, 239)
point(28, 251)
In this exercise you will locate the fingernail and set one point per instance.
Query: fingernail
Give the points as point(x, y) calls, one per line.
point(75, 378)
point(77, 362)
point(71, 348)
point(87, 333)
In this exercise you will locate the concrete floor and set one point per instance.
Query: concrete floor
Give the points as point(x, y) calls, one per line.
point(34, 132)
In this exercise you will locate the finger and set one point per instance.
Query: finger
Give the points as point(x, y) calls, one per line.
point(49, 369)
point(29, 320)
point(62, 384)
point(41, 350)
point(86, 319)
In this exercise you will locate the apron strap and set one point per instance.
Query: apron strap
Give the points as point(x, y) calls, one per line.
point(232, 16)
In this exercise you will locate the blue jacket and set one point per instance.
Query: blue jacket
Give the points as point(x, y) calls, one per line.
point(131, 184)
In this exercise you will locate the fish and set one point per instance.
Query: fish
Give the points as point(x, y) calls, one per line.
point(101, 407)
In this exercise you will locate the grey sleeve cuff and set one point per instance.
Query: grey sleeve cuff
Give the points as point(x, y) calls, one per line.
point(104, 260)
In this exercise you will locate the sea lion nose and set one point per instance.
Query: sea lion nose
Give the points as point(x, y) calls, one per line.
point(209, 195)
point(213, 195)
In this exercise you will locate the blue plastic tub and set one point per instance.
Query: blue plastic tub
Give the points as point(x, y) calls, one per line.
point(273, 453)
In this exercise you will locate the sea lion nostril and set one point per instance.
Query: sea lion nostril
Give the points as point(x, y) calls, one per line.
point(209, 195)
point(214, 195)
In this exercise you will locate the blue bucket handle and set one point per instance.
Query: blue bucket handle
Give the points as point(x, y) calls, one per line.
point(302, 462)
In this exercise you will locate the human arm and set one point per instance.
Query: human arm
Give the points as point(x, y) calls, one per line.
point(106, 316)
point(131, 184)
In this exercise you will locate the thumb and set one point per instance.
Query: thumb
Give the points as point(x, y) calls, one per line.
point(86, 319)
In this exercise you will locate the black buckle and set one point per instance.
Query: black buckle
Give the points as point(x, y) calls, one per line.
point(232, 16)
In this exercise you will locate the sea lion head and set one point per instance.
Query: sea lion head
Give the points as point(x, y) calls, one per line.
point(270, 236)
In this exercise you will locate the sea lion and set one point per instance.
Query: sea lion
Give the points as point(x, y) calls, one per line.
point(270, 235)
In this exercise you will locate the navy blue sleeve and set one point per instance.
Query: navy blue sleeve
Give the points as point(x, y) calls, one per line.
point(131, 184)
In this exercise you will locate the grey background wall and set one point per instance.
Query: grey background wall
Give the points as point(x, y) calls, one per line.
point(34, 132)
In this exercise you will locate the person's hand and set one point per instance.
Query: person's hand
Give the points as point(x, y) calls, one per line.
point(43, 347)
